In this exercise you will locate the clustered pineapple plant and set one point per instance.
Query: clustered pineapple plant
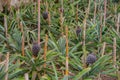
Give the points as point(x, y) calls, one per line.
point(60, 39)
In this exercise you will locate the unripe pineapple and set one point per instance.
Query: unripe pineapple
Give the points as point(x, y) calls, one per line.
point(35, 49)
point(45, 15)
point(91, 58)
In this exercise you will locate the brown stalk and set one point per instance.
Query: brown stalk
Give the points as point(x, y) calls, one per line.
point(61, 17)
point(118, 74)
point(99, 77)
point(67, 56)
point(101, 17)
point(118, 22)
point(26, 76)
point(34, 75)
point(18, 18)
point(84, 33)
point(46, 6)
point(62, 3)
point(39, 76)
point(39, 21)
point(6, 66)
point(95, 10)
point(61, 22)
point(105, 9)
point(103, 50)
point(116, 18)
point(5, 25)
point(114, 52)
point(45, 50)
point(77, 12)
point(49, 19)
point(23, 44)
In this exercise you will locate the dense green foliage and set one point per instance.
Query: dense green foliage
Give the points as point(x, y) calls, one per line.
point(55, 70)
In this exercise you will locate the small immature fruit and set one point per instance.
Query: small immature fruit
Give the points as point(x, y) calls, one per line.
point(91, 58)
point(45, 15)
point(78, 30)
point(35, 49)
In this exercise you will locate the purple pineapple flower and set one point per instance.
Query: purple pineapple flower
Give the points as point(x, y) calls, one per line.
point(78, 30)
point(91, 58)
point(35, 49)
point(45, 15)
